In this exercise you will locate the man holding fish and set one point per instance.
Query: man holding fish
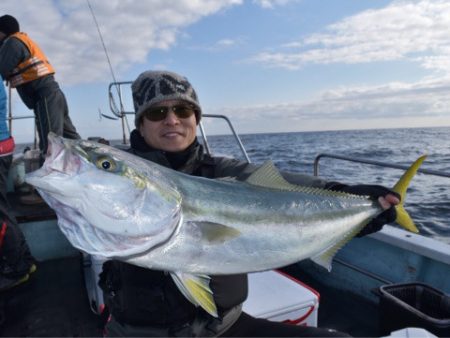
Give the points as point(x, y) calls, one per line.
point(150, 302)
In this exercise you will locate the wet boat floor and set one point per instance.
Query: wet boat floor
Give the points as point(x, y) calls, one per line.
point(53, 303)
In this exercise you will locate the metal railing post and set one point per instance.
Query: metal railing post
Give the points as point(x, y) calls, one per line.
point(376, 163)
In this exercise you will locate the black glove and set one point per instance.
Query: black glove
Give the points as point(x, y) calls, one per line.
point(374, 191)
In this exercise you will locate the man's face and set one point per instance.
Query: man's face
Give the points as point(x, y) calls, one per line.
point(171, 133)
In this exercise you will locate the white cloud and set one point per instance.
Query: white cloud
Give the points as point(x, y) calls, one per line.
point(221, 45)
point(404, 30)
point(412, 31)
point(226, 42)
point(272, 3)
point(395, 100)
point(130, 28)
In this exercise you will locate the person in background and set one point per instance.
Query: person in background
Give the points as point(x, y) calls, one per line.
point(144, 302)
point(26, 68)
point(16, 262)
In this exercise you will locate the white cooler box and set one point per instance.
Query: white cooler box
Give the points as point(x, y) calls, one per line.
point(279, 297)
point(272, 295)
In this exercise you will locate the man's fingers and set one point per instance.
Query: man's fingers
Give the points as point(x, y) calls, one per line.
point(392, 199)
point(387, 201)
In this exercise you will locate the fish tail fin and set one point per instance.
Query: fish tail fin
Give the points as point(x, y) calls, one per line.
point(400, 187)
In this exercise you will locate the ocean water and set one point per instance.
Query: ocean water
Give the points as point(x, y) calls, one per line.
point(428, 197)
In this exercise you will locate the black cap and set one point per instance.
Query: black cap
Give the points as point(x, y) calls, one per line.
point(9, 25)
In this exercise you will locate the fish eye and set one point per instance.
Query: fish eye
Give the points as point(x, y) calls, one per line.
point(106, 163)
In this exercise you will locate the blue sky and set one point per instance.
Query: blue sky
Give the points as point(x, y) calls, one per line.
point(271, 66)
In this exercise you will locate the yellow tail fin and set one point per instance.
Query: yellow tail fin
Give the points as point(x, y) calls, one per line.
point(403, 217)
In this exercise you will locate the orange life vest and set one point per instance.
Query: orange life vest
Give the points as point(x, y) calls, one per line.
point(34, 67)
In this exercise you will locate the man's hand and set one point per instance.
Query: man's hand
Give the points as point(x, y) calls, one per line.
point(387, 198)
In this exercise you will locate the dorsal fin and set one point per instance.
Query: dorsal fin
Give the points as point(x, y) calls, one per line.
point(268, 176)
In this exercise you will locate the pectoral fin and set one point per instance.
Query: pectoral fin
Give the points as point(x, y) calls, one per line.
point(196, 289)
point(215, 232)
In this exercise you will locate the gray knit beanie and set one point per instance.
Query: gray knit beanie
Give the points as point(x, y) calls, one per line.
point(152, 87)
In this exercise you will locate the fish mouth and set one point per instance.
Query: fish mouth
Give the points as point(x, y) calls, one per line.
point(59, 160)
point(61, 156)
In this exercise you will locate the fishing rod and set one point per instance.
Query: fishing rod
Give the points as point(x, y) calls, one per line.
point(121, 114)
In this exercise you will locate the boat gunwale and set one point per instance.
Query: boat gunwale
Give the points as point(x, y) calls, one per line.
point(416, 243)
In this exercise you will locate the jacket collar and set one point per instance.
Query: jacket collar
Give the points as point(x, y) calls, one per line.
point(185, 161)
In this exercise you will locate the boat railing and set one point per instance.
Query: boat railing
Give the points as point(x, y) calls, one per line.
point(10, 118)
point(371, 162)
point(233, 132)
point(119, 111)
point(398, 237)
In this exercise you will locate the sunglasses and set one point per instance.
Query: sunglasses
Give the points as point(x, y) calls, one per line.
point(182, 111)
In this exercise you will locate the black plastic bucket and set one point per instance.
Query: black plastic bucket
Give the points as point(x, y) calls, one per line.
point(414, 305)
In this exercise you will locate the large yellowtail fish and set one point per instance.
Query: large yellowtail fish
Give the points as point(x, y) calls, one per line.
point(116, 205)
